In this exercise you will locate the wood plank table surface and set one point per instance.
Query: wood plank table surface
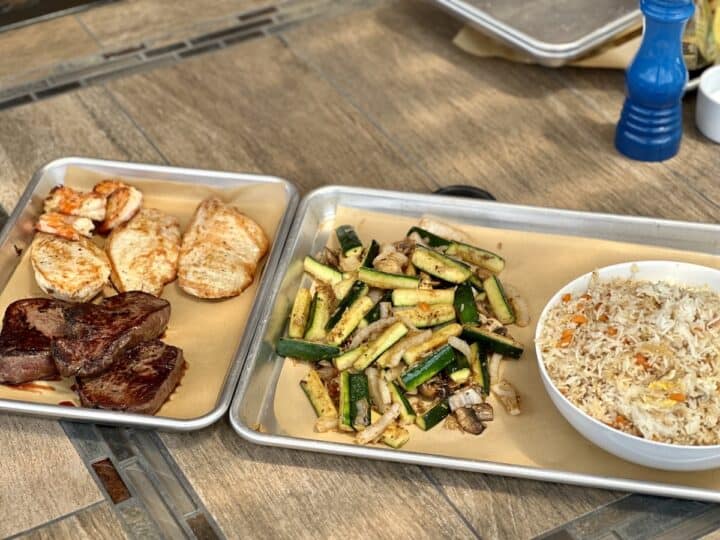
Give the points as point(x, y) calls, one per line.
point(379, 97)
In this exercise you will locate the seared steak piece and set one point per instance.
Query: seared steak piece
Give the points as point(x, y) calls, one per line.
point(28, 327)
point(140, 381)
point(98, 334)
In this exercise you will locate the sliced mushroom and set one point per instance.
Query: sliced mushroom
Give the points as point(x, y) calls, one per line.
point(329, 257)
point(433, 389)
point(484, 412)
point(469, 421)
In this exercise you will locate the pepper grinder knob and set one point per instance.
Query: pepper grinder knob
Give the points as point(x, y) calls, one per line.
point(650, 126)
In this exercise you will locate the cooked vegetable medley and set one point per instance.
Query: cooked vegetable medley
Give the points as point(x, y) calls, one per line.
point(406, 333)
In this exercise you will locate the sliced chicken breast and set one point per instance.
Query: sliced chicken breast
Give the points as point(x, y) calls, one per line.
point(144, 252)
point(65, 226)
point(220, 251)
point(74, 271)
point(66, 200)
point(123, 202)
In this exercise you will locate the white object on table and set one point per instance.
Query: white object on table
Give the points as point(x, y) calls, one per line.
point(707, 112)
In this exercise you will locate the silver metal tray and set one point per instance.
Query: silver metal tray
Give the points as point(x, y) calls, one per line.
point(251, 412)
point(550, 31)
point(18, 231)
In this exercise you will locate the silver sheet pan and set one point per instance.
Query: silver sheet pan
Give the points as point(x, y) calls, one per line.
point(251, 412)
point(553, 32)
point(19, 229)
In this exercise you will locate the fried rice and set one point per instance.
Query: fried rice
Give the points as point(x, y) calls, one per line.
point(640, 356)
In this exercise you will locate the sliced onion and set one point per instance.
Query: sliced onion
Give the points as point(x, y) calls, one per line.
point(385, 393)
point(385, 310)
point(326, 423)
point(375, 431)
point(375, 294)
point(443, 230)
point(393, 373)
point(374, 384)
point(460, 345)
point(508, 396)
point(464, 398)
point(349, 264)
point(519, 305)
point(364, 333)
point(494, 366)
point(405, 344)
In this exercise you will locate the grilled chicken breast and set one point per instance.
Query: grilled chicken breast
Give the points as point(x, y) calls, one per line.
point(220, 251)
point(66, 200)
point(74, 271)
point(69, 227)
point(144, 252)
point(123, 202)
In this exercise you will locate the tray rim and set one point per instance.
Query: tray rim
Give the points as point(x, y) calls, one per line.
point(548, 54)
point(416, 458)
point(80, 414)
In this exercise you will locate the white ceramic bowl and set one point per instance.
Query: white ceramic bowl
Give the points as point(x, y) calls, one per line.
point(671, 457)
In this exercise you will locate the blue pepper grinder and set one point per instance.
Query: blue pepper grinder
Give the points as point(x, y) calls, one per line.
point(650, 126)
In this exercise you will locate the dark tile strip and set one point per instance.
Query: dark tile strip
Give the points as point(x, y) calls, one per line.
point(245, 37)
point(173, 47)
point(200, 50)
point(124, 52)
point(640, 516)
point(59, 89)
point(230, 31)
point(257, 13)
point(114, 486)
point(16, 101)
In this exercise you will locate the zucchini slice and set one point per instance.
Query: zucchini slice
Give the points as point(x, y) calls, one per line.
point(427, 368)
point(467, 312)
point(319, 315)
point(498, 301)
point(374, 314)
point(306, 350)
point(395, 436)
point(434, 416)
point(439, 265)
point(346, 359)
point(412, 297)
point(349, 320)
point(357, 290)
point(407, 413)
point(321, 271)
point(429, 238)
point(383, 342)
point(299, 313)
point(385, 280)
point(318, 395)
point(359, 401)
point(424, 316)
point(349, 242)
point(477, 256)
point(504, 345)
point(342, 288)
point(461, 375)
point(478, 368)
point(373, 251)
point(476, 282)
point(460, 363)
point(438, 338)
point(344, 415)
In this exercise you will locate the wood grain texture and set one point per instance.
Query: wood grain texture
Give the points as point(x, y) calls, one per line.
point(98, 521)
point(256, 107)
point(258, 492)
point(85, 123)
point(521, 131)
point(133, 21)
point(41, 475)
point(42, 45)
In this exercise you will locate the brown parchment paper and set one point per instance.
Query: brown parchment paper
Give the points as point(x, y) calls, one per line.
point(538, 265)
point(208, 331)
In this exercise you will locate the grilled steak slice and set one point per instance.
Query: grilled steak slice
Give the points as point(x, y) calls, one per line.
point(28, 327)
point(140, 381)
point(97, 334)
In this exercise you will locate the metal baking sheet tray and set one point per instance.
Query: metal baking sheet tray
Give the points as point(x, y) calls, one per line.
point(564, 456)
point(198, 402)
point(553, 32)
